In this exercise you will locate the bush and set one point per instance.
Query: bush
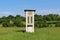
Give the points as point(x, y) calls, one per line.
point(19, 24)
point(44, 25)
point(5, 24)
point(58, 25)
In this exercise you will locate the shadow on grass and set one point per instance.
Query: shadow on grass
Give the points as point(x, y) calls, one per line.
point(20, 31)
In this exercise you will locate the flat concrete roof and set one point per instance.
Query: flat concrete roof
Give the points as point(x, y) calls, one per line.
point(29, 10)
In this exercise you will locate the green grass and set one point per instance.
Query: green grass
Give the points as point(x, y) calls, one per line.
point(39, 34)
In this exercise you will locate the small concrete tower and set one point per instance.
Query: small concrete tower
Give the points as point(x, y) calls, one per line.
point(29, 20)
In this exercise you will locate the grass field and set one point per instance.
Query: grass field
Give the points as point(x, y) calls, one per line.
point(39, 34)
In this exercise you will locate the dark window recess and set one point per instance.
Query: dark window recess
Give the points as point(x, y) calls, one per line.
point(31, 20)
point(28, 19)
point(29, 25)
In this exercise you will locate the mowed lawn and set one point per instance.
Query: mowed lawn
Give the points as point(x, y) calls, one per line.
point(18, 33)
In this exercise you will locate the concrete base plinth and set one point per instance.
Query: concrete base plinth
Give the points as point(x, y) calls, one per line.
point(29, 29)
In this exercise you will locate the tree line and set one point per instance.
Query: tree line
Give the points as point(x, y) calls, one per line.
point(49, 20)
point(12, 21)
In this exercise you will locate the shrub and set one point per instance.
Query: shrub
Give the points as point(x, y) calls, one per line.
point(5, 24)
point(58, 25)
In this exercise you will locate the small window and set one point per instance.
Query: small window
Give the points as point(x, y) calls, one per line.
point(31, 19)
point(28, 19)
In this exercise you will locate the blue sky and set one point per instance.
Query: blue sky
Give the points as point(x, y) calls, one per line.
point(14, 7)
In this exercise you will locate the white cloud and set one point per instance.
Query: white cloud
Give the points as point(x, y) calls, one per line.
point(48, 11)
point(10, 13)
point(5, 14)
